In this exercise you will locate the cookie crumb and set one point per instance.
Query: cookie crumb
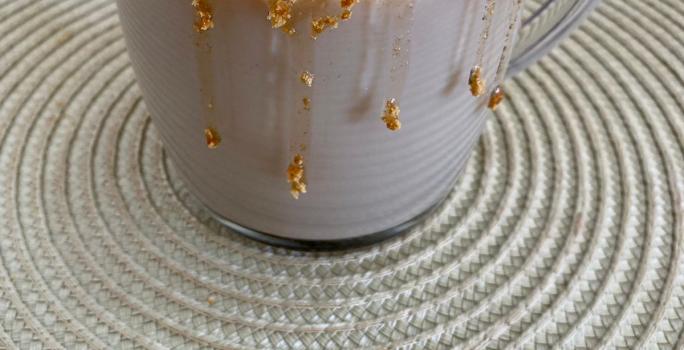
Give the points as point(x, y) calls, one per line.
point(205, 15)
point(495, 99)
point(477, 84)
point(295, 176)
point(391, 115)
point(213, 137)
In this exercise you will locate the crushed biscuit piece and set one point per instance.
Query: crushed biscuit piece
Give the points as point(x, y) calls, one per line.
point(307, 78)
point(391, 115)
point(280, 14)
point(348, 4)
point(346, 8)
point(321, 24)
point(307, 103)
point(205, 15)
point(213, 137)
point(346, 14)
point(295, 176)
point(477, 84)
point(495, 99)
point(297, 189)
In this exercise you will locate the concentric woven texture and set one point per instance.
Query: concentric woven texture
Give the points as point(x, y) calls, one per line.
point(565, 231)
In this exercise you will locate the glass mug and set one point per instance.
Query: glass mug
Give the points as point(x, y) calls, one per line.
point(268, 95)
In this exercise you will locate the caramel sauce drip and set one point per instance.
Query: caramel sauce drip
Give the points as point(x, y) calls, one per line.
point(283, 15)
point(203, 23)
point(476, 81)
point(498, 96)
point(486, 30)
point(401, 27)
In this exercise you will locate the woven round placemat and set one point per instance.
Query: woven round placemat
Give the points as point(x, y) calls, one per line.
point(565, 230)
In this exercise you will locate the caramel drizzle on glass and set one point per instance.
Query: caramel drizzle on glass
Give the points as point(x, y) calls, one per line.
point(498, 95)
point(476, 79)
point(301, 53)
point(204, 23)
point(401, 53)
point(281, 16)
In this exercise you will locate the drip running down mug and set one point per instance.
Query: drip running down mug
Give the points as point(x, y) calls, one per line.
point(365, 182)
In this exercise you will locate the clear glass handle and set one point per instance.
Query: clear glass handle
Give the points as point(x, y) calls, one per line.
point(545, 23)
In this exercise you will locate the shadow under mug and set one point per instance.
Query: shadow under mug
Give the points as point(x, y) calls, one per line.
point(365, 183)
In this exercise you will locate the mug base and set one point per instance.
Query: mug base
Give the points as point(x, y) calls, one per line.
point(326, 245)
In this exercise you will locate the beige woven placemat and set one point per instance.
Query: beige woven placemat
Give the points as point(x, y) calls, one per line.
point(565, 231)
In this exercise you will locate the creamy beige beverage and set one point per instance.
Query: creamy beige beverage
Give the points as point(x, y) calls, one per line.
point(365, 111)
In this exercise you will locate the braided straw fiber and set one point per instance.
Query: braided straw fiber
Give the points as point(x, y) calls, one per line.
point(565, 230)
